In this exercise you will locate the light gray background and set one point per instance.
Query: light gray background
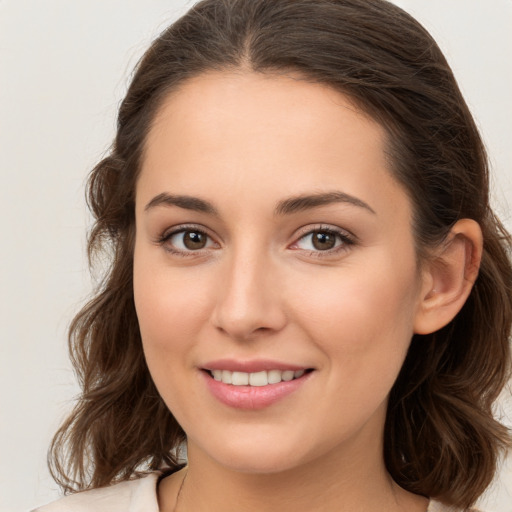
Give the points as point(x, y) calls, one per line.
point(63, 70)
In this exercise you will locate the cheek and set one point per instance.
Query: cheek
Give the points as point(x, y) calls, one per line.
point(170, 312)
point(363, 314)
point(170, 306)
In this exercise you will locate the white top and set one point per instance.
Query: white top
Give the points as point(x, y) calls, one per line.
point(132, 496)
point(138, 495)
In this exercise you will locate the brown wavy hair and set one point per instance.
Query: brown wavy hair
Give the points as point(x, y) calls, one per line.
point(441, 439)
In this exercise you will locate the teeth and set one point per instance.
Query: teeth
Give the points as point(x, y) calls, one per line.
point(287, 375)
point(274, 376)
point(257, 378)
point(227, 377)
point(237, 378)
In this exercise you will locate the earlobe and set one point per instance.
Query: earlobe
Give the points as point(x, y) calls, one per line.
point(448, 277)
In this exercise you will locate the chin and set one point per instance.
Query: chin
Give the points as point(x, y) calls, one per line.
point(263, 463)
point(255, 455)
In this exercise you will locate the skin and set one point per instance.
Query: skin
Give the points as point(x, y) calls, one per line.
point(245, 142)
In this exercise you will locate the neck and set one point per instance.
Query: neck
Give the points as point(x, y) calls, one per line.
point(327, 483)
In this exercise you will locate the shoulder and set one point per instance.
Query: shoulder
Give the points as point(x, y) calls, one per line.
point(436, 506)
point(134, 495)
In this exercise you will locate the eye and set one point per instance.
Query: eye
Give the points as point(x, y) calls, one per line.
point(319, 240)
point(191, 240)
point(324, 240)
point(186, 240)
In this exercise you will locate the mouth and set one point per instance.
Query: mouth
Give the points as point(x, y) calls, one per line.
point(256, 379)
point(254, 384)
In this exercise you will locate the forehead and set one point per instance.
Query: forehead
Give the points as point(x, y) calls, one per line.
point(263, 134)
point(246, 104)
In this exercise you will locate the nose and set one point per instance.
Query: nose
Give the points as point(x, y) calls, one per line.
point(250, 301)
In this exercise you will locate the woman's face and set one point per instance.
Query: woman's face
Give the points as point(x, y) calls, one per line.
point(272, 242)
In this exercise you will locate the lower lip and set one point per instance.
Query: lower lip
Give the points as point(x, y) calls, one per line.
point(252, 397)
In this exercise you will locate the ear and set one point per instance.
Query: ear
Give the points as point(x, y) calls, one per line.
point(448, 277)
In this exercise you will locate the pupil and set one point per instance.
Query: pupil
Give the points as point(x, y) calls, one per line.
point(323, 241)
point(194, 240)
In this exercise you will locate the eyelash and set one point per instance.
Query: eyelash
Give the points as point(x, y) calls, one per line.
point(346, 239)
point(167, 235)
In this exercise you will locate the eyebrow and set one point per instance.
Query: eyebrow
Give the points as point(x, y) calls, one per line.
point(284, 207)
point(306, 202)
point(186, 202)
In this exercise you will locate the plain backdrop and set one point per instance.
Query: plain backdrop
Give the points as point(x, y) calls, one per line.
point(64, 66)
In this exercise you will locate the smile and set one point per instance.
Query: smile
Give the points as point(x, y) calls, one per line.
point(262, 378)
point(253, 390)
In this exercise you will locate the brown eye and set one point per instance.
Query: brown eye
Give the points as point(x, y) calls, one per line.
point(323, 240)
point(194, 240)
point(187, 240)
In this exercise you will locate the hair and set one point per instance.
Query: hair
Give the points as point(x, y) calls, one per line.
point(441, 439)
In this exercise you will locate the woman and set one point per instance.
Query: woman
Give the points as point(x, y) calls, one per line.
point(308, 285)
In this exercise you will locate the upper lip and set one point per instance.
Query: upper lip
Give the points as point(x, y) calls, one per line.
point(251, 366)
